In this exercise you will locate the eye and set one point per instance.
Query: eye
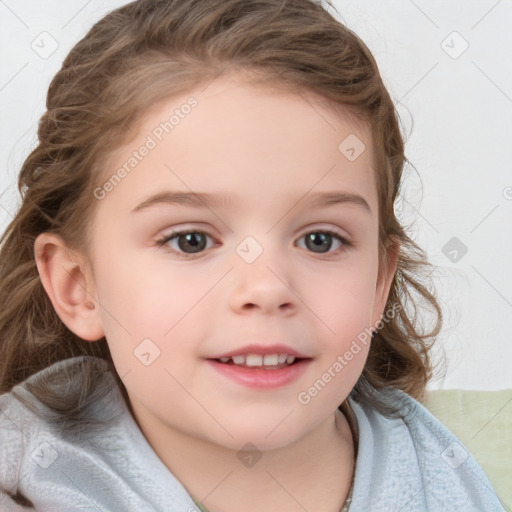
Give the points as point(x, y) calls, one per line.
point(188, 242)
point(193, 242)
point(321, 241)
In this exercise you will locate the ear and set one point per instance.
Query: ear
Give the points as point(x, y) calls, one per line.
point(387, 271)
point(68, 281)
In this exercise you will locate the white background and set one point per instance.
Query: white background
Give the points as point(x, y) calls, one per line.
point(456, 112)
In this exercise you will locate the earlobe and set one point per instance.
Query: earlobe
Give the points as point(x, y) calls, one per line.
point(65, 277)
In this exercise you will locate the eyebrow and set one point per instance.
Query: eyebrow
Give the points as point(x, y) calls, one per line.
point(209, 201)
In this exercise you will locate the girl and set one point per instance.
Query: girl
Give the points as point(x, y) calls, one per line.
point(207, 300)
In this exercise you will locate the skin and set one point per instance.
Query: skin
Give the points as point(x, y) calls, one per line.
point(270, 152)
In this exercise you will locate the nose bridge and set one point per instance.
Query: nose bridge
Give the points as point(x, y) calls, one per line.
point(262, 278)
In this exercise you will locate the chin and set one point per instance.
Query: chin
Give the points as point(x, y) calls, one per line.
point(263, 435)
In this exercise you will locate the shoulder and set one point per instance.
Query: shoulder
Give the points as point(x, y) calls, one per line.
point(52, 395)
point(60, 395)
point(68, 440)
point(414, 461)
point(49, 402)
point(11, 442)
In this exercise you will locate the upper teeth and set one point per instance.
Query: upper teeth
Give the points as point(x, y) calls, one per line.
point(259, 360)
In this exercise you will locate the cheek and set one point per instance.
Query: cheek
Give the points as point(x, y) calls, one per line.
point(344, 298)
point(151, 303)
point(142, 296)
point(344, 303)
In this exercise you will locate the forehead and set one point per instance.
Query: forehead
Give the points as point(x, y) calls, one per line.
point(244, 137)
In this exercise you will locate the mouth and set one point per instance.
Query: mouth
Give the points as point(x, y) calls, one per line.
point(261, 372)
point(261, 362)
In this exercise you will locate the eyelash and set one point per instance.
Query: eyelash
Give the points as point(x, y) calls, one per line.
point(162, 242)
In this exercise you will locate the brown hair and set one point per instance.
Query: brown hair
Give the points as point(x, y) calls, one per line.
point(142, 53)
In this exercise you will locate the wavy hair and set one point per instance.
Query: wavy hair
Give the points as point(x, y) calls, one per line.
point(144, 52)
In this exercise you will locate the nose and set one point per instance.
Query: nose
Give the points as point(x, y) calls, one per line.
point(262, 286)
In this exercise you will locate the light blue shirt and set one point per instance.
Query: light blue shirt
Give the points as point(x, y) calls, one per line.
point(407, 464)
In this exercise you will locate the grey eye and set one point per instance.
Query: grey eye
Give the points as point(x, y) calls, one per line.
point(321, 242)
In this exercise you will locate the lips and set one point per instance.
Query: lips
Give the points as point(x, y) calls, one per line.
point(261, 378)
point(261, 366)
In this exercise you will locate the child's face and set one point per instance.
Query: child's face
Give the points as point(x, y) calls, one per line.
point(268, 155)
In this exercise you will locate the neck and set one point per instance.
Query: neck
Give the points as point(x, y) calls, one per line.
point(313, 473)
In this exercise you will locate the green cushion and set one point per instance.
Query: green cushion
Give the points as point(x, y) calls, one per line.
point(482, 420)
